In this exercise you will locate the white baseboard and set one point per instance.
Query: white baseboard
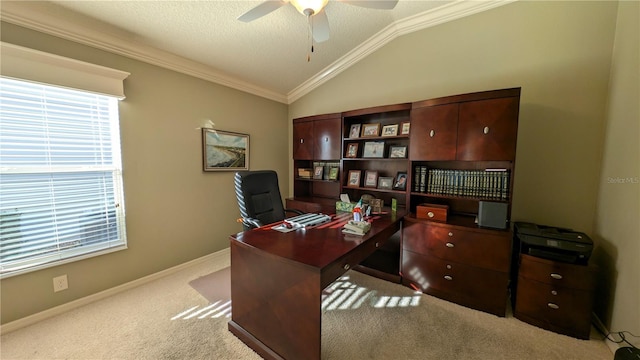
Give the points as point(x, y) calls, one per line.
point(603, 329)
point(32, 319)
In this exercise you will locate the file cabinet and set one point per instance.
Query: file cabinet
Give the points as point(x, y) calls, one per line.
point(555, 296)
point(468, 266)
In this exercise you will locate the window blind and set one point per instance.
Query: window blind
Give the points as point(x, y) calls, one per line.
point(61, 191)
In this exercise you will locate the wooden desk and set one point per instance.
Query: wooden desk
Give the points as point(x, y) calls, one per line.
point(277, 281)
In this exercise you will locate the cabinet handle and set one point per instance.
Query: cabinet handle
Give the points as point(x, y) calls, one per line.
point(448, 266)
point(326, 139)
point(301, 141)
point(449, 245)
point(346, 266)
point(430, 214)
point(432, 133)
point(556, 276)
point(485, 130)
point(553, 306)
point(553, 292)
point(448, 277)
point(377, 244)
point(450, 233)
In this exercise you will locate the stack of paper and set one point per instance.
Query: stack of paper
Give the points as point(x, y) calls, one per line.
point(356, 227)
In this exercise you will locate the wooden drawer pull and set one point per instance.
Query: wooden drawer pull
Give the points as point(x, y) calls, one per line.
point(448, 277)
point(431, 214)
point(553, 306)
point(556, 276)
point(449, 245)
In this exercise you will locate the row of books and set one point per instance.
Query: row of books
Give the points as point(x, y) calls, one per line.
point(489, 183)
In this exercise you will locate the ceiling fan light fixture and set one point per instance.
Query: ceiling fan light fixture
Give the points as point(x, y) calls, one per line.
point(315, 5)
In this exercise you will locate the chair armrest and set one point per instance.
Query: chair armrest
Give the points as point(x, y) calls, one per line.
point(250, 223)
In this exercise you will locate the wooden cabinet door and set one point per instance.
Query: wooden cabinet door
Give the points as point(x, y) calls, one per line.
point(303, 140)
point(433, 132)
point(487, 129)
point(328, 139)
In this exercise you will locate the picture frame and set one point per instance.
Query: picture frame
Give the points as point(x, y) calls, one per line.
point(352, 150)
point(376, 205)
point(373, 149)
point(405, 127)
point(396, 151)
point(354, 178)
point(390, 130)
point(333, 173)
point(318, 172)
point(401, 181)
point(370, 179)
point(385, 182)
point(354, 131)
point(224, 150)
point(370, 130)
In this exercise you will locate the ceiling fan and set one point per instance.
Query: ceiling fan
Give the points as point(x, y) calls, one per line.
point(314, 11)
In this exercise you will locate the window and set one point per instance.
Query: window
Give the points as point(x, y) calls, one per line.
point(61, 194)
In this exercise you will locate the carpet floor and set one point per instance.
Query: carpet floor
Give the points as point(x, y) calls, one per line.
point(185, 315)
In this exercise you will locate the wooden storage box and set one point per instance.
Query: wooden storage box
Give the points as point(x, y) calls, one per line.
point(305, 173)
point(434, 212)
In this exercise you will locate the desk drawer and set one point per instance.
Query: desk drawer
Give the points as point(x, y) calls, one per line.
point(479, 248)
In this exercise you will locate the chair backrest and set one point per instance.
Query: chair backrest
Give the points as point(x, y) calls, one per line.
point(258, 196)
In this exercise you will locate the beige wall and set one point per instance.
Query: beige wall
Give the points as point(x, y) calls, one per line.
point(560, 54)
point(175, 212)
point(617, 225)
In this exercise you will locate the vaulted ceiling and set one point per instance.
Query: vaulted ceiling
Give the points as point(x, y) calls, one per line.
point(266, 57)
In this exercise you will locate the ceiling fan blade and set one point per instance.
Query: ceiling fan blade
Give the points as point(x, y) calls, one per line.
point(261, 10)
point(373, 4)
point(320, 26)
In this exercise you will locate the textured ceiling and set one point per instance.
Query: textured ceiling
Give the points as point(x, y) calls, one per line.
point(266, 56)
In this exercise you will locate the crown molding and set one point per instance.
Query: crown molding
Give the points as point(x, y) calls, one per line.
point(28, 16)
point(452, 11)
point(25, 15)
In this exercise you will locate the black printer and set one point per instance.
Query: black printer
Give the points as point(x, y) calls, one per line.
point(553, 243)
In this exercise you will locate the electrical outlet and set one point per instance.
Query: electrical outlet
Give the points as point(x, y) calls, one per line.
point(60, 283)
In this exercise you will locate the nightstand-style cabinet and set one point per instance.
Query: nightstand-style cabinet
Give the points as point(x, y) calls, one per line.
point(555, 296)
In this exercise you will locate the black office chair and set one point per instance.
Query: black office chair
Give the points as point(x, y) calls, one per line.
point(259, 198)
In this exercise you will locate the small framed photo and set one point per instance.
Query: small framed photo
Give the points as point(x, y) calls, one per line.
point(373, 149)
point(390, 130)
point(370, 130)
point(401, 181)
point(352, 150)
point(397, 151)
point(370, 179)
point(333, 173)
point(385, 182)
point(354, 132)
point(317, 172)
point(354, 178)
point(405, 127)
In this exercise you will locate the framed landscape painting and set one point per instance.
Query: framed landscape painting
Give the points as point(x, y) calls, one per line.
point(224, 150)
